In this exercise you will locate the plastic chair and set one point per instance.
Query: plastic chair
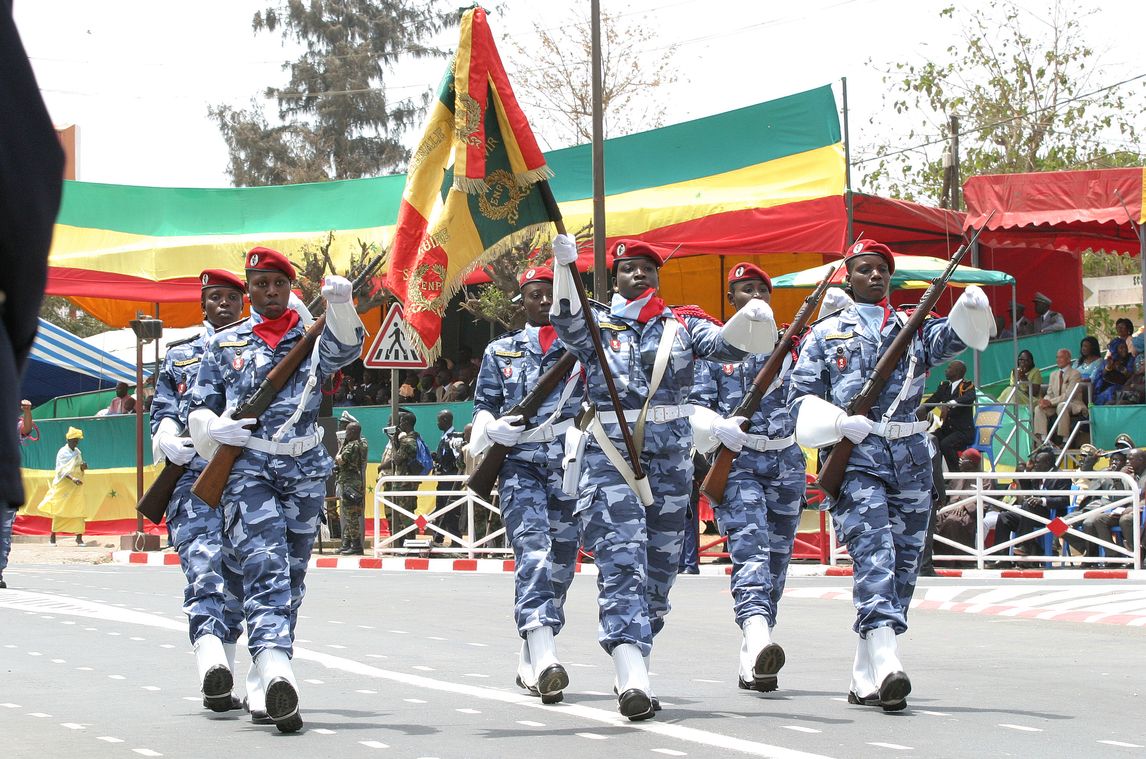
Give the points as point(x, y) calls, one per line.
point(987, 422)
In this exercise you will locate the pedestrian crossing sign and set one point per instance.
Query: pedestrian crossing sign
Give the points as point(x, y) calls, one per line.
point(391, 349)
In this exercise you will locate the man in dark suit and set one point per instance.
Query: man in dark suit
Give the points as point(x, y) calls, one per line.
point(957, 394)
point(1011, 525)
point(31, 171)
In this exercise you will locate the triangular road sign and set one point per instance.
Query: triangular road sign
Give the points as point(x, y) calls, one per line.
point(391, 349)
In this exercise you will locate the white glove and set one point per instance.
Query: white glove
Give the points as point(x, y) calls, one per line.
point(230, 431)
point(835, 299)
point(973, 297)
point(177, 450)
point(757, 310)
point(855, 428)
point(564, 250)
point(505, 430)
point(336, 289)
point(728, 432)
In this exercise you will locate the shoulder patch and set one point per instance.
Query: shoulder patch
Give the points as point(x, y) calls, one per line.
point(509, 354)
point(186, 362)
point(184, 341)
point(839, 335)
point(233, 343)
point(612, 326)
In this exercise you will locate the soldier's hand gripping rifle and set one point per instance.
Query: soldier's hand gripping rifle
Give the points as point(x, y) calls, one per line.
point(213, 479)
point(832, 472)
point(485, 474)
point(717, 478)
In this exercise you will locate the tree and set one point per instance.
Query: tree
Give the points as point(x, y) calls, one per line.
point(553, 78)
point(66, 315)
point(1027, 101)
point(335, 118)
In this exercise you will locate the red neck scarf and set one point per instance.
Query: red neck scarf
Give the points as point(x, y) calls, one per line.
point(546, 335)
point(272, 330)
point(641, 309)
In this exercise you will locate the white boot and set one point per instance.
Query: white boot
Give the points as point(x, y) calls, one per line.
point(887, 670)
point(551, 678)
point(632, 682)
point(280, 689)
point(215, 676)
point(760, 658)
point(652, 696)
point(256, 701)
point(864, 690)
point(525, 677)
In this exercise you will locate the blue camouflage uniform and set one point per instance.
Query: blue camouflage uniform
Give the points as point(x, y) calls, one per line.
point(272, 501)
point(212, 599)
point(637, 550)
point(537, 513)
point(761, 506)
point(885, 497)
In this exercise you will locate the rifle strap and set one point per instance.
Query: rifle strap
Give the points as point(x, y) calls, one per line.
point(540, 432)
point(908, 380)
point(304, 396)
point(660, 364)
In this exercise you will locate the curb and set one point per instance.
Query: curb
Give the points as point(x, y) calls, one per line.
point(498, 566)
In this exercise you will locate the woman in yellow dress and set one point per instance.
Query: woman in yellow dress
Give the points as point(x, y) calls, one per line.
point(64, 501)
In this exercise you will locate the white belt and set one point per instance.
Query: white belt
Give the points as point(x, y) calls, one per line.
point(896, 430)
point(765, 443)
point(295, 447)
point(545, 433)
point(656, 415)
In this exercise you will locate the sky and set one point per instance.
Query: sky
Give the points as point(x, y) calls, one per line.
point(137, 76)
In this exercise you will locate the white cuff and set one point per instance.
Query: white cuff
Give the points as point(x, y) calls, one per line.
point(479, 438)
point(702, 418)
point(748, 334)
point(564, 289)
point(198, 424)
point(818, 422)
point(167, 426)
point(343, 322)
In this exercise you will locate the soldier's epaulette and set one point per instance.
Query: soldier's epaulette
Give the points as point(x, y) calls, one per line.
point(840, 335)
point(186, 361)
point(233, 343)
point(183, 341)
point(508, 354)
point(612, 326)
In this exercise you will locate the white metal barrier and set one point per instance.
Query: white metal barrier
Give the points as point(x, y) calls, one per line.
point(987, 495)
point(395, 500)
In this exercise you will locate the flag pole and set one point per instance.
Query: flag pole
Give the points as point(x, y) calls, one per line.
point(554, 212)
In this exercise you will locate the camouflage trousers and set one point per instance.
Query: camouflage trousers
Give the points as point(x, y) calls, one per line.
point(539, 522)
point(212, 599)
point(884, 527)
point(759, 516)
point(637, 550)
point(271, 527)
point(351, 511)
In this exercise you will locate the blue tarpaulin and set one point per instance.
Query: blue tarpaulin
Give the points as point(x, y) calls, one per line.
point(61, 364)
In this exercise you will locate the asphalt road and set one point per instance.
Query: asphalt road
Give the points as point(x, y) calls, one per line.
point(95, 662)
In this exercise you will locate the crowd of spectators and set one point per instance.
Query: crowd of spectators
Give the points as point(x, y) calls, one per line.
point(447, 381)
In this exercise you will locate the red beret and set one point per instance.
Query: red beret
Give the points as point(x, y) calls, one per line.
point(743, 271)
point(535, 274)
point(636, 249)
point(265, 259)
point(867, 247)
point(971, 453)
point(221, 278)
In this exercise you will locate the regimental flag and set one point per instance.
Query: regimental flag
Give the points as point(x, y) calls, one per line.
point(471, 187)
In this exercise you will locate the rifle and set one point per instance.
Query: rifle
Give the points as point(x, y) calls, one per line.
point(485, 474)
point(832, 472)
point(717, 478)
point(153, 504)
point(213, 479)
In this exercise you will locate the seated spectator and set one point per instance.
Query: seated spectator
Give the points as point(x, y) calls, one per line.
point(426, 389)
point(1116, 370)
point(957, 395)
point(1134, 391)
point(956, 521)
point(123, 402)
point(1002, 331)
point(1011, 525)
point(1046, 320)
point(1022, 325)
point(1100, 521)
point(1060, 388)
point(1123, 328)
point(1026, 379)
point(441, 384)
point(457, 392)
point(407, 394)
point(1089, 363)
point(1090, 493)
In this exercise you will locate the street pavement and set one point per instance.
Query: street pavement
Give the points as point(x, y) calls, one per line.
point(95, 662)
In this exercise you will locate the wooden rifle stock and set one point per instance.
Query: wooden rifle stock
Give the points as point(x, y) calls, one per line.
point(153, 504)
point(213, 479)
point(832, 472)
point(717, 478)
point(485, 474)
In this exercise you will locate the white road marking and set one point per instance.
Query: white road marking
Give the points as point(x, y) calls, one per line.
point(166, 645)
point(73, 726)
point(146, 752)
point(373, 744)
point(467, 711)
point(592, 736)
point(322, 731)
point(333, 622)
point(34, 653)
point(895, 746)
point(400, 632)
point(85, 669)
point(135, 638)
point(109, 739)
point(801, 728)
point(366, 627)
point(934, 714)
point(479, 645)
point(58, 661)
point(116, 677)
point(150, 687)
point(434, 637)
point(190, 698)
point(422, 668)
point(1120, 744)
point(701, 680)
point(530, 723)
point(314, 682)
point(377, 656)
point(474, 674)
point(335, 645)
point(1024, 728)
point(668, 752)
point(414, 701)
point(10, 705)
point(114, 633)
point(730, 715)
point(38, 714)
point(366, 692)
